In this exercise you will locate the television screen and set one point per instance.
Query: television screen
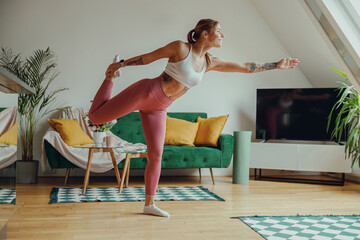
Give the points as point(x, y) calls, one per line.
point(294, 114)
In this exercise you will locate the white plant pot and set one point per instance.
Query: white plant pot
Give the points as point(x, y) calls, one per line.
point(99, 138)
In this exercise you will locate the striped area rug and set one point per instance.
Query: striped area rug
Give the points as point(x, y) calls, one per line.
point(131, 194)
point(7, 196)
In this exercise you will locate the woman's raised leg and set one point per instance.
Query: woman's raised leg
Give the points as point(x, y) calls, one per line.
point(105, 109)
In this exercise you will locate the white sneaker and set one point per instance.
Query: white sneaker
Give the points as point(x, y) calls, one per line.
point(118, 72)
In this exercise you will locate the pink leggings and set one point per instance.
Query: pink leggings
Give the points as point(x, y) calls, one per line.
point(148, 97)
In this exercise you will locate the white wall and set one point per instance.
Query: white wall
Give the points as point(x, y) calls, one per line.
point(291, 24)
point(86, 34)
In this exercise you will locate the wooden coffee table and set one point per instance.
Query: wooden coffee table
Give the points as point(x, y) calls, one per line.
point(126, 169)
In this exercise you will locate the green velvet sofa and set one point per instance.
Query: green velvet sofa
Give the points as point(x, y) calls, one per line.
point(130, 129)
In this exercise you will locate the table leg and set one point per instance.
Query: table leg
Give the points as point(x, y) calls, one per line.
point(87, 174)
point(67, 175)
point(125, 168)
point(115, 166)
point(128, 173)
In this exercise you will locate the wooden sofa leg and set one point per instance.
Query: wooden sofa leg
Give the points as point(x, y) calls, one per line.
point(67, 175)
point(212, 176)
point(200, 172)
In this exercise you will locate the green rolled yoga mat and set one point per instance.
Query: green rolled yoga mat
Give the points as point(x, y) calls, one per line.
point(242, 145)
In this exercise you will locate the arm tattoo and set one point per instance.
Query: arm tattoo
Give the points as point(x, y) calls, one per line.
point(262, 66)
point(138, 61)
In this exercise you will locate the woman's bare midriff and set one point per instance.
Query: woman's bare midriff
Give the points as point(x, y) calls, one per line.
point(172, 88)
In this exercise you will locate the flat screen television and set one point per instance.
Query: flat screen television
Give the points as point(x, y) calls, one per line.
point(294, 114)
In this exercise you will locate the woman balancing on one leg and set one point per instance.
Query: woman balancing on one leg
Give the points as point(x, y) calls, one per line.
point(187, 65)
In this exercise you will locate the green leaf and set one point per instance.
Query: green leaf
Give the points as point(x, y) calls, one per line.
point(338, 71)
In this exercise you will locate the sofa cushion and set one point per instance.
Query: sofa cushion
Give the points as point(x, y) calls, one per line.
point(210, 130)
point(10, 137)
point(70, 131)
point(180, 132)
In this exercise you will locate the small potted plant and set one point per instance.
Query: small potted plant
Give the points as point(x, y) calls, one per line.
point(38, 71)
point(99, 131)
point(347, 121)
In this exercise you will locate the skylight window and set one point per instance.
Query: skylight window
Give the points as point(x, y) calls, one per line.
point(341, 21)
point(353, 7)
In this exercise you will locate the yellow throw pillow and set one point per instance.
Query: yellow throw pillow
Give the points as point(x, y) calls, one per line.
point(10, 137)
point(70, 131)
point(209, 130)
point(180, 132)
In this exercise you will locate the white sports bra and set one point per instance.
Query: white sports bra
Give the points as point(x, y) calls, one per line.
point(184, 72)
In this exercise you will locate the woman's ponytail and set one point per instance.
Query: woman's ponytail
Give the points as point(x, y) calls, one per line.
point(202, 25)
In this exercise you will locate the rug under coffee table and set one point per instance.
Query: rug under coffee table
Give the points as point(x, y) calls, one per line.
point(131, 194)
point(7, 196)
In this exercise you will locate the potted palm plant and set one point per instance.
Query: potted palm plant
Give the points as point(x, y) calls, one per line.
point(347, 121)
point(38, 71)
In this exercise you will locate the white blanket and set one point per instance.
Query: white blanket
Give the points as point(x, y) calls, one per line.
point(101, 162)
point(8, 155)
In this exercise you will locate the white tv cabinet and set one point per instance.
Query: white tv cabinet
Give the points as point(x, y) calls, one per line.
point(321, 157)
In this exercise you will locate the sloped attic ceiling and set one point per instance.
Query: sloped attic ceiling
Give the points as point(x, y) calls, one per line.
point(292, 25)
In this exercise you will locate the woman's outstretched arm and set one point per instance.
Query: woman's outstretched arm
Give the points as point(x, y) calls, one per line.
point(164, 52)
point(220, 65)
point(167, 51)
